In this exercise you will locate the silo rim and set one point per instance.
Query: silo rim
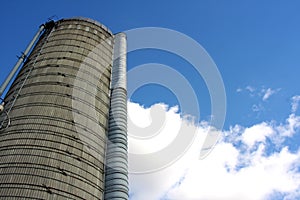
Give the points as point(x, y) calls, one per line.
point(88, 20)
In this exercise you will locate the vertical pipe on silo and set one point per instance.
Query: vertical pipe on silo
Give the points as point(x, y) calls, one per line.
point(22, 58)
point(116, 174)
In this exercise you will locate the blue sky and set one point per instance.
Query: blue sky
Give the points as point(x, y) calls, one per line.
point(254, 44)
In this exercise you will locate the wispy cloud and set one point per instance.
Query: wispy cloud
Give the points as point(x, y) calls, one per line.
point(295, 103)
point(250, 88)
point(239, 90)
point(257, 108)
point(241, 166)
point(264, 93)
point(267, 93)
point(288, 129)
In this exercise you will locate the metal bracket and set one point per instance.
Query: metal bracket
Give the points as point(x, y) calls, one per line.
point(23, 57)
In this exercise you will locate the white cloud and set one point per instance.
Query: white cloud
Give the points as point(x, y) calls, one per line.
point(151, 129)
point(239, 90)
point(295, 102)
point(250, 88)
point(237, 168)
point(289, 128)
point(263, 93)
point(257, 133)
point(257, 107)
point(267, 93)
point(210, 179)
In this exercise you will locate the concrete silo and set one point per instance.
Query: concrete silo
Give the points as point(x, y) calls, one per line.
point(63, 131)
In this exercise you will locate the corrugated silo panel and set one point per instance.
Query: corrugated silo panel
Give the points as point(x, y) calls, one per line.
point(55, 145)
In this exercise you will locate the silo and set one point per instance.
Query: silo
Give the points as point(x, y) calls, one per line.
point(58, 107)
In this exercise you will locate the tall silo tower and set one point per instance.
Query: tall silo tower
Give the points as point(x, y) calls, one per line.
point(63, 131)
